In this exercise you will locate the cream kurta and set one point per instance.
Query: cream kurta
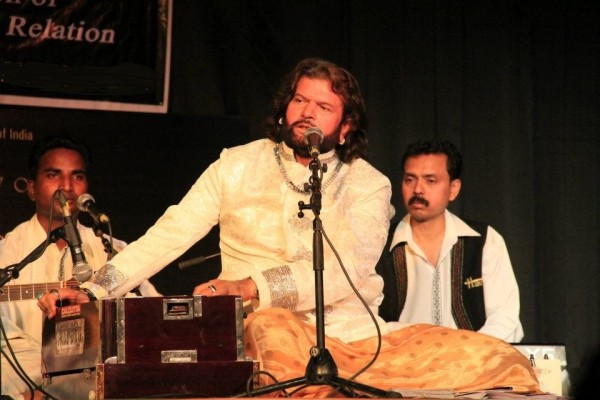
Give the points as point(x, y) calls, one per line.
point(262, 236)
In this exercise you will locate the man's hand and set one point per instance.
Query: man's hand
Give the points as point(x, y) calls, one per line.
point(245, 288)
point(47, 303)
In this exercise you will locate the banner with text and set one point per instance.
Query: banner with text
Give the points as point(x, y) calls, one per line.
point(87, 54)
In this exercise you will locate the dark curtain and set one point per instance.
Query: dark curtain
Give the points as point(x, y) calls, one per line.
point(513, 83)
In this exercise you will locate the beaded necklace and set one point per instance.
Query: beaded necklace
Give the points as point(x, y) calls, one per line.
point(61, 268)
point(280, 153)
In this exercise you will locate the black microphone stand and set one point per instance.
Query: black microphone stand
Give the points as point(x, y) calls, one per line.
point(12, 271)
point(99, 230)
point(321, 368)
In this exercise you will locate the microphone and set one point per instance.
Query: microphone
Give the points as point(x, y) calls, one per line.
point(313, 138)
point(82, 271)
point(86, 203)
point(197, 260)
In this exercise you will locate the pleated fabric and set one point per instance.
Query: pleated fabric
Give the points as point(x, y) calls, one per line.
point(420, 356)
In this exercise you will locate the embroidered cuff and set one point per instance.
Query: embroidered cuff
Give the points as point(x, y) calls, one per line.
point(284, 293)
point(109, 277)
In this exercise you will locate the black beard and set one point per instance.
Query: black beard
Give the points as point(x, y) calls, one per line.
point(301, 148)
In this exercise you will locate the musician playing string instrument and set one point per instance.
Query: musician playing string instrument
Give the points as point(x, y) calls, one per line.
point(55, 163)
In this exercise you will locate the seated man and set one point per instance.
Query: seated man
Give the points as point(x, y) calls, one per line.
point(446, 271)
point(55, 163)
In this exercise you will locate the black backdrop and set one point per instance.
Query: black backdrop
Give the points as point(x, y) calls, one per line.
point(513, 83)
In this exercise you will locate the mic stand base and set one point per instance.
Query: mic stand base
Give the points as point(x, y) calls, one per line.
point(321, 370)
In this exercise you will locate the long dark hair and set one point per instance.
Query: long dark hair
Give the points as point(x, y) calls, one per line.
point(344, 85)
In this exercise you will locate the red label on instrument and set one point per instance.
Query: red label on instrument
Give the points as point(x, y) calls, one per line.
point(70, 311)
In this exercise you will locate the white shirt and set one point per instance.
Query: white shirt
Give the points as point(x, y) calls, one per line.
point(500, 289)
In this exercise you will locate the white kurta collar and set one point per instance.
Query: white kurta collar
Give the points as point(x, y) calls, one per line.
point(455, 227)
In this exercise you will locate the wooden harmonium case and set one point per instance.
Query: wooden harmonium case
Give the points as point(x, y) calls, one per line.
point(172, 329)
point(160, 346)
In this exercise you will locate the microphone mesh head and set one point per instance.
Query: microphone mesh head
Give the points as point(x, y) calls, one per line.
point(82, 272)
point(310, 131)
point(82, 200)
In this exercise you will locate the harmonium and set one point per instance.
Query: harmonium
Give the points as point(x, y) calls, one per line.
point(142, 347)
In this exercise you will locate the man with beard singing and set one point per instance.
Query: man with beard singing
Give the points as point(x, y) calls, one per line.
point(253, 193)
point(447, 271)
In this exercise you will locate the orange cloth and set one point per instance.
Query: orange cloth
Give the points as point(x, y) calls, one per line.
point(420, 356)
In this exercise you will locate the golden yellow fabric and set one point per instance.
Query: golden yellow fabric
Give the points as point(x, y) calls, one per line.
point(419, 356)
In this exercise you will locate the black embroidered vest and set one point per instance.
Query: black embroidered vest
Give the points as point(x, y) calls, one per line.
point(468, 308)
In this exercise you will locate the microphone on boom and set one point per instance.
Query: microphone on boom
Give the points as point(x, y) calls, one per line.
point(195, 261)
point(86, 203)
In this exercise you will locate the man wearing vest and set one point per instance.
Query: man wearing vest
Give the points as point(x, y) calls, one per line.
point(440, 269)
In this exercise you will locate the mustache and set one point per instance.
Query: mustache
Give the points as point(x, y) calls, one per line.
point(300, 122)
point(418, 199)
